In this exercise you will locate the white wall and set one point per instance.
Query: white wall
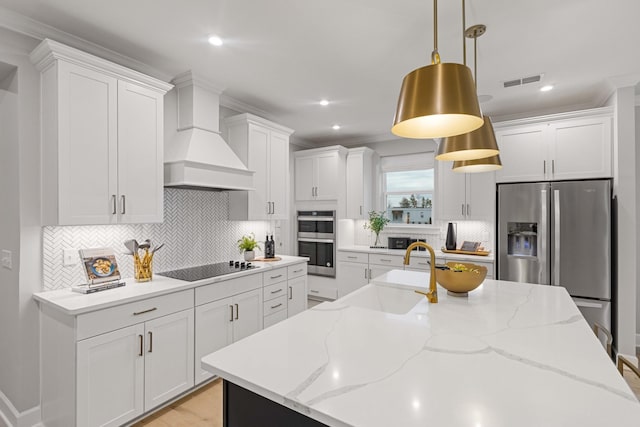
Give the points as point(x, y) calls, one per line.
point(20, 232)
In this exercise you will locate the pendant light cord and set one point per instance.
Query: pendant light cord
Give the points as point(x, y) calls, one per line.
point(435, 56)
point(464, 39)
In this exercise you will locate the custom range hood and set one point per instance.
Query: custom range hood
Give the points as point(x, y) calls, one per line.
point(196, 156)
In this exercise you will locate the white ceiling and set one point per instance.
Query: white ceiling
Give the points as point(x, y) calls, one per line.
point(282, 56)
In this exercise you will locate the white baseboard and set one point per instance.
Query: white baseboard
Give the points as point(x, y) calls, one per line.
point(11, 417)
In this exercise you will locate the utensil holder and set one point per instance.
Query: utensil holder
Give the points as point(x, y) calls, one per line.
point(143, 267)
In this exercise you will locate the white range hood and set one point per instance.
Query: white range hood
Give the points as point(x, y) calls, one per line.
point(196, 156)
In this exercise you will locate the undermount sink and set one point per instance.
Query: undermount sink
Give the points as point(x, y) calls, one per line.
point(383, 298)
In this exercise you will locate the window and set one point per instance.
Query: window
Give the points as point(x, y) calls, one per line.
point(408, 183)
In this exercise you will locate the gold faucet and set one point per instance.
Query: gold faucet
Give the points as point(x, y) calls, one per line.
point(432, 295)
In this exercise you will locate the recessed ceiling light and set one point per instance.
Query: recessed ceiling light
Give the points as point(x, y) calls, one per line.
point(215, 40)
point(335, 127)
point(546, 88)
point(324, 102)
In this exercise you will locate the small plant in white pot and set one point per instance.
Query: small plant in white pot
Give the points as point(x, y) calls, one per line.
point(247, 245)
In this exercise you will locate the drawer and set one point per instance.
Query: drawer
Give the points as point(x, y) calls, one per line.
point(421, 263)
point(275, 305)
point(110, 319)
point(274, 276)
point(323, 292)
point(390, 260)
point(297, 270)
point(227, 288)
point(274, 291)
point(353, 257)
point(274, 318)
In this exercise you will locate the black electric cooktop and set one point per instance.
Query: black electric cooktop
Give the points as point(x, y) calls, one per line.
point(208, 271)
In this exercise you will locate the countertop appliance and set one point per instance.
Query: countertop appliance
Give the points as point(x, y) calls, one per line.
point(193, 274)
point(403, 243)
point(317, 241)
point(559, 233)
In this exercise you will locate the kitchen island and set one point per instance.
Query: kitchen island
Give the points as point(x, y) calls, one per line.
point(511, 354)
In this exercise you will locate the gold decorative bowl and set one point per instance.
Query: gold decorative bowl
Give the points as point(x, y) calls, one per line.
point(459, 283)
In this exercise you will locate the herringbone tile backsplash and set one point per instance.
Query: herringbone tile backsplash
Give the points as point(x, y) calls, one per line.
point(195, 231)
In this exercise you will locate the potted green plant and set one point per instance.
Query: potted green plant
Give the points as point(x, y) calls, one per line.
point(247, 244)
point(376, 223)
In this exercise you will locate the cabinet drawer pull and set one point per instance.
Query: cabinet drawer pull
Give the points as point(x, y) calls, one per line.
point(150, 342)
point(298, 271)
point(352, 257)
point(276, 291)
point(384, 260)
point(275, 277)
point(290, 292)
point(313, 291)
point(114, 209)
point(231, 318)
point(138, 313)
point(124, 208)
point(141, 339)
point(237, 311)
point(276, 306)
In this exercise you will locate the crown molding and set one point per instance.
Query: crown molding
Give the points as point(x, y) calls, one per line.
point(37, 30)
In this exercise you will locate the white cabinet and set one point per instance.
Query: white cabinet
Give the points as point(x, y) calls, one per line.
point(102, 139)
point(351, 276)
point(574, 146)
point(361, 182)
point(465, 196)
point(263, 147)
point(226, 312)
point(320, 173)
point(356, 269)
point(421, 264)
point(297, 286)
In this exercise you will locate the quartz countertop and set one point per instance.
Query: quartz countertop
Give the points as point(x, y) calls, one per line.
point(74, 303)
point(479, 258)
point(510, 354)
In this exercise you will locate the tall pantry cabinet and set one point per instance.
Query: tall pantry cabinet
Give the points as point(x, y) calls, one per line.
point(102, 139)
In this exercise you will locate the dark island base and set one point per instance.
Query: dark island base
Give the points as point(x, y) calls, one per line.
point(244, 408)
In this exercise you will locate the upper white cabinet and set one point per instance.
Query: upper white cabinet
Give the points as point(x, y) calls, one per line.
point(570, 146)
point(361, 182)
point(102, 139)
point(319, 173)
point(465, 196)
point(263, 147)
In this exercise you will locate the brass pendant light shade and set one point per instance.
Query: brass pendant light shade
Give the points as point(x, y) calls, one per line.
point(480, 143)
point(437, 101)
point(488, 164)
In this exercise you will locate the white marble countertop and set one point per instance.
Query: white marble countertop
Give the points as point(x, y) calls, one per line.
point(511, 354)
point(438, 252)
point(74, 303)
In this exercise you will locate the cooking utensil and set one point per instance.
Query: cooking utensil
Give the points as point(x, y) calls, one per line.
point(157, 248)
point(132, 245)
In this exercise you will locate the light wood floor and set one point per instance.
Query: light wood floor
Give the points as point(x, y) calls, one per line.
point(203, 408)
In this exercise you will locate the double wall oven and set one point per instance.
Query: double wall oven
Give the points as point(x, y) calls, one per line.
point(317, 241)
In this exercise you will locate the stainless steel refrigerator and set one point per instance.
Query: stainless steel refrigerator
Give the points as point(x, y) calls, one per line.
point(559, 233)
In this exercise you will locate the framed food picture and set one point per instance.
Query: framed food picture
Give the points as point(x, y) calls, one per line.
point(100, 265)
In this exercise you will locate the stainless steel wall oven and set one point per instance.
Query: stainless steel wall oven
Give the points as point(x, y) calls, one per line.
point(317, 241)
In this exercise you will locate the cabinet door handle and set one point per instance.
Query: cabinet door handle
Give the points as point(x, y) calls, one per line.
point(462, 209)
point(360, 209)
point(276, 291)
point(141, 339)
point(123, 205)
point(138, 313)
point(150, 342)
point(365, 273)
point(468, 209)
point(114, 209)
point(237, 311)
point(553, 167)
point(313, 291)
point(276, 306)
point(544, 167)
point(290, 292)
point(231, 318)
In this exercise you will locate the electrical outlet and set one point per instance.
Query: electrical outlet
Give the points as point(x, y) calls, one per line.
point(70, 257)
point(7, 261)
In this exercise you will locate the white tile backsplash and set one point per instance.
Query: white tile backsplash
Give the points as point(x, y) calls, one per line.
point(196, 231)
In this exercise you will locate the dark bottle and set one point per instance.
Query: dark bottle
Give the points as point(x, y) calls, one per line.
point(269, 248)
point(450, 242)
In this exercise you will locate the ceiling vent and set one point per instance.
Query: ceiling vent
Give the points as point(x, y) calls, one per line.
point(522, 81)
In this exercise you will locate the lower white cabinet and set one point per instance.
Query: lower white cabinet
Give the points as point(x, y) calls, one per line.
point(297, 298)
point(356, 269)
point(224, 321)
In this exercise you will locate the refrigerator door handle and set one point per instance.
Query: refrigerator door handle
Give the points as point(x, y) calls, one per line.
point(543, 255)
point(556, 237)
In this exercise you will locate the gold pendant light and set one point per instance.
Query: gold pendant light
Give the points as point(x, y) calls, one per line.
point(485, 136)
point(438, 100)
